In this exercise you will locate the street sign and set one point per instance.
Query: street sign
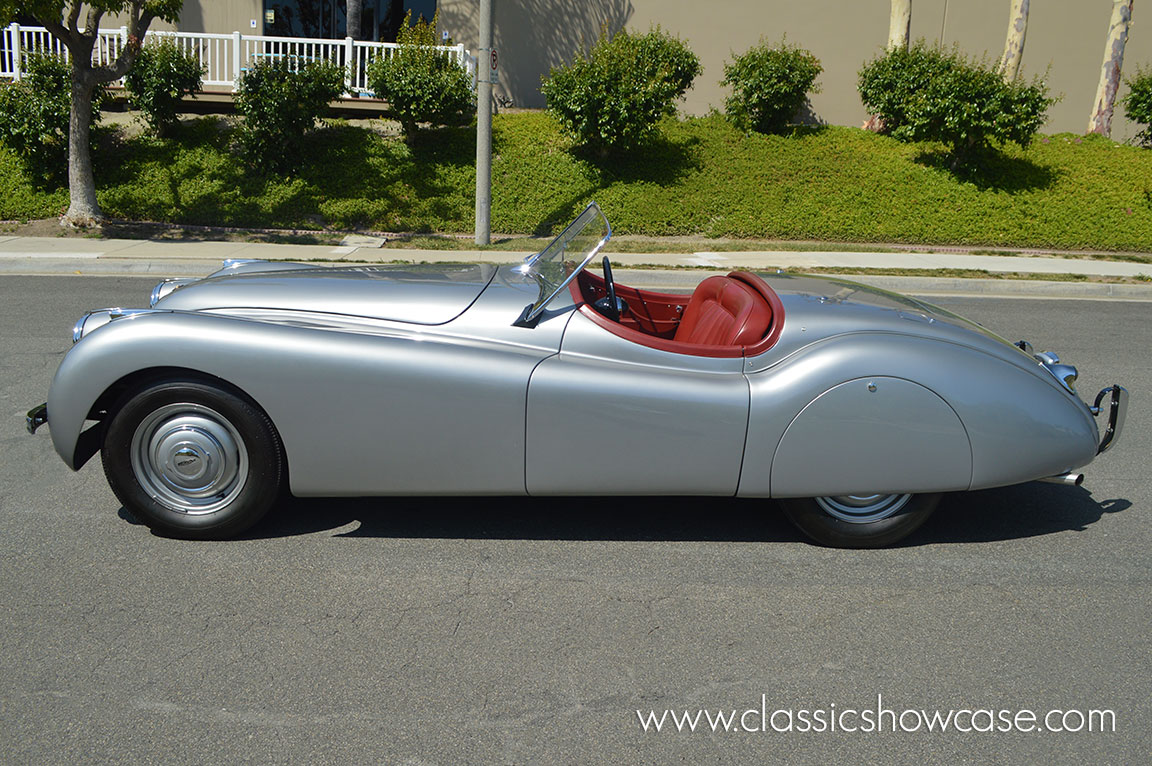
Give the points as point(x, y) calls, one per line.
point(493, 74)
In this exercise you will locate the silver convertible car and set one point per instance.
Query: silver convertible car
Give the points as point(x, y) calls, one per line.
point(854, 407)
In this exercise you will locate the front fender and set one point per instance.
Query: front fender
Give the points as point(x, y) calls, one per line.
point(126, 347)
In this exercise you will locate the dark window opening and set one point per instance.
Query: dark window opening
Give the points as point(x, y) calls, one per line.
point(380, 19)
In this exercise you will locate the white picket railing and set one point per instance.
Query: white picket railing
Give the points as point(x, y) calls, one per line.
point(225, 57)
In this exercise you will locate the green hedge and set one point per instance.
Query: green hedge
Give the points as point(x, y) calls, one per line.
point(769, 85)
point(159, 79)
point(702, 177)
point(611, 100)
point(421, 83)
point(934, 94)
point(35, 112)
point(1138, 103)
point(281, 100)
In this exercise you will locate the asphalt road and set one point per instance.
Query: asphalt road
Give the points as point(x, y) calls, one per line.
point(531, 631)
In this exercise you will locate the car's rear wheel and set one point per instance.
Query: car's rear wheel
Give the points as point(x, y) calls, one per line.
point(860, 521)
point(191, 459)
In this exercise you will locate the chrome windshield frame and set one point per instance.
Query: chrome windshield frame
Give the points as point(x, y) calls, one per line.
point(556, 248)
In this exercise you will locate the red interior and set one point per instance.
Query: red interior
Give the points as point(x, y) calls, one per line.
point(733, 315)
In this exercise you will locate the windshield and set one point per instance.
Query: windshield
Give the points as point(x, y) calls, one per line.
point(567, 255)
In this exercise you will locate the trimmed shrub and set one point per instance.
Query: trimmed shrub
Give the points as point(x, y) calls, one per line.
point(420, 83)
point(931, 94)
point(769, 85)
point(281, 100)
point(161, 76)
point(35, 111)
point(612, 99)
point(1138, 103)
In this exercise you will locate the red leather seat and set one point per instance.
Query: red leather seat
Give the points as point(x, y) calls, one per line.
point(724, 312)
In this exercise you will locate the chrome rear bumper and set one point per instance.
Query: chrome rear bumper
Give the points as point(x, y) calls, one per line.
point(37, 416)
point(1117, 407)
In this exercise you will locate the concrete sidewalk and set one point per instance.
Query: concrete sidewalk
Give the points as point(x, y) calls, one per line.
point(67, 255)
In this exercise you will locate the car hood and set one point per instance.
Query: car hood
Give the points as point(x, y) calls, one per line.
point(427, 294)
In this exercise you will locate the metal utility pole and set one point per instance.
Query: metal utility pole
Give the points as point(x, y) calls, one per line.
point(485, 70)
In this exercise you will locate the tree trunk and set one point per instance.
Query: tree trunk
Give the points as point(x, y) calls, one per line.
point(354, 15)
point(1014, 44)
point(83, 209)
point(899, 24)
point(899, 28)
point(1101, 120)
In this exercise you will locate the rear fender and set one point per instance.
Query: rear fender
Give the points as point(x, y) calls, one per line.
point(1020, 425)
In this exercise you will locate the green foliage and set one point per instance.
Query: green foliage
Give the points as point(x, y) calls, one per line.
point(932, 94)
point(162, 75)
point(281, 99)
point(168, 10)
point(1138, 103)
point(700, 176)
point(769, 85)
point(34, 114)
point(612, 99)
point(421, 83)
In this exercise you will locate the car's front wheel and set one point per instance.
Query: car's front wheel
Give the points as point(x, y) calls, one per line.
point(860, 521)
point(191, 459)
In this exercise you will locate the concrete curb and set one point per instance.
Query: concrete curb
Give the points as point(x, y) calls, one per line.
point(160, 258)
point(671, 280)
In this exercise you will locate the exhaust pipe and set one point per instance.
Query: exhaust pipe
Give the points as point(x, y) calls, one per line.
point(1067, 479)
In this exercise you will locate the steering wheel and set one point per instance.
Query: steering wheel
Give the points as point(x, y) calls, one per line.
point(613, 312)
point(609, 305)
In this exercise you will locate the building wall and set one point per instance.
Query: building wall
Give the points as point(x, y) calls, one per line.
point(1065, 41)
point(216, 16)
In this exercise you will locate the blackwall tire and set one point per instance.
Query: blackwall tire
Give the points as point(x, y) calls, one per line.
point(193, 460)
point(853, 521)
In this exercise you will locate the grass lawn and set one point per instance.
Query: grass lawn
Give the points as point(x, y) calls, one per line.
point(702, 177)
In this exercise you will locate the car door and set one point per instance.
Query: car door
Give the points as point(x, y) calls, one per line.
point(609, 416)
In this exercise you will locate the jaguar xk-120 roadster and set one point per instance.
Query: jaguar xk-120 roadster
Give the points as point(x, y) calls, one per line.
point(853, 407)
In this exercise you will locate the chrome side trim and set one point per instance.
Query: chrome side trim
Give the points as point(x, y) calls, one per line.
point(1117, 413)
point(37, 416)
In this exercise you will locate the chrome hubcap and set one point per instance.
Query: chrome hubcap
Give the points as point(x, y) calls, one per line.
point(862, 509)
point(189, 458)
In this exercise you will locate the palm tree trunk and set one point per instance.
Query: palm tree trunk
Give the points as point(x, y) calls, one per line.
point(1101, 120)
point(354, 14)
point(1014, 44)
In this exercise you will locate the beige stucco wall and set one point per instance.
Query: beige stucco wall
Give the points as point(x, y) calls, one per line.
point(1065, 39)
point(217, 16)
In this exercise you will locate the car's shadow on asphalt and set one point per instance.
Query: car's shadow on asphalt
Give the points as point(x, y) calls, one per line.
point(1007, 513)
point(1010, 513)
